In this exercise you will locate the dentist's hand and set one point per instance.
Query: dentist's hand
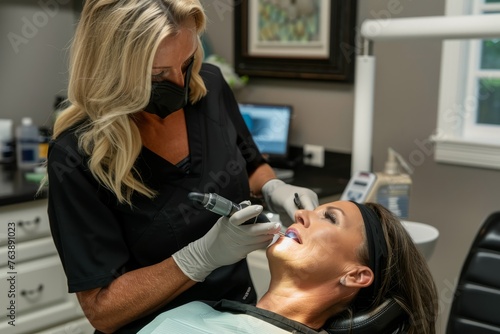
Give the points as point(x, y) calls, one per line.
point(227, 242)
point(279, 198)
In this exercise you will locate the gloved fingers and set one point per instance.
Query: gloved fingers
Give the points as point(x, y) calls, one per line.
point(241, 216)
point(268, 193)
point(256, 241)
point(309, 200)
point(248, 234)
point(262, 228)
point(244, 204)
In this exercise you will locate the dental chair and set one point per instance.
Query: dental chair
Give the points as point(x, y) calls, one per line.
point(476, 302)
point(387, 318)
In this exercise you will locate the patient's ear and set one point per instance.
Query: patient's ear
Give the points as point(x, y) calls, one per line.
point(359, 277)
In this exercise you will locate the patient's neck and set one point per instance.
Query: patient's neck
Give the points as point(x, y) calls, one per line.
point(311, 306)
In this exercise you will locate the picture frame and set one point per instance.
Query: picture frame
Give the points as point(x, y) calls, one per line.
point(295, 39)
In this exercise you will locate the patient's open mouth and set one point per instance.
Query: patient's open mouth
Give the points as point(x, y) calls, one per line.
point(292, 235)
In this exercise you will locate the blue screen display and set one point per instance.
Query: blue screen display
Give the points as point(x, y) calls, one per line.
point(269, 126)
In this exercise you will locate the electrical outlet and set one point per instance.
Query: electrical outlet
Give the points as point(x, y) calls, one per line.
point(314, 155)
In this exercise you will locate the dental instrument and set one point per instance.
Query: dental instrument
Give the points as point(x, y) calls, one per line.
point(224, 207)
point(297, 202)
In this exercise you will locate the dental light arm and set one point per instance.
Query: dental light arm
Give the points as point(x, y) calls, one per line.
point(434, 27)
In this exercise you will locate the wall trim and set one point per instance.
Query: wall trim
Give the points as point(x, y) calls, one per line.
point(467, 153)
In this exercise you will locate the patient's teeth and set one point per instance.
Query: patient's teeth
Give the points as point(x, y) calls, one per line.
point(292, 235)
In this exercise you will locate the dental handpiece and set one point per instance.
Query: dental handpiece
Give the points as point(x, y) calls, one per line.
point(223, 206)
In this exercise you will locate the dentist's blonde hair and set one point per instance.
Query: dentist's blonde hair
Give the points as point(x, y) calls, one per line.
point(110, 80)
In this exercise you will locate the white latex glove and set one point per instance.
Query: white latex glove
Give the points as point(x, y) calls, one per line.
point(226, 243)
point(279, 197)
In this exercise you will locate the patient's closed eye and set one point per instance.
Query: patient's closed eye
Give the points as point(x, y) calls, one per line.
point(330, 216)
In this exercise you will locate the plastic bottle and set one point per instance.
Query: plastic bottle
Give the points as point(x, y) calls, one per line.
point(27, 141)
point(392, 187)
point(6, 141)
point(43, 143)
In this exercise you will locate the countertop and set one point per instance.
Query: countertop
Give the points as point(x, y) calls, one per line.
point(321, 181)
point(326, 182)
point(14, 188)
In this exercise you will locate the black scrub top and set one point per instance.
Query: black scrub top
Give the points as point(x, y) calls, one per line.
point(99, 239)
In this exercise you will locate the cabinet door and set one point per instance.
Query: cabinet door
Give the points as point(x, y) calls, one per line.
point(32, 285)
point(28, 250)
point(24, 221)
point(35, 295)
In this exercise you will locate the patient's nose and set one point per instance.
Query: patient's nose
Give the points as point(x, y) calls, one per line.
point(302, 217)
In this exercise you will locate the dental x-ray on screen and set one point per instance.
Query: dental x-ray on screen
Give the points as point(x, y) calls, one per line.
point(269, 125)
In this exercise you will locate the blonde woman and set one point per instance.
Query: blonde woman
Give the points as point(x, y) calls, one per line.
point(341, 257)
point(146, 124)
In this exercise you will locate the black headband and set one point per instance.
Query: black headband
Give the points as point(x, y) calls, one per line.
point(377, 251)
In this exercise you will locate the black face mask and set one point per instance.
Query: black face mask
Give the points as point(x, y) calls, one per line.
point(167, 97)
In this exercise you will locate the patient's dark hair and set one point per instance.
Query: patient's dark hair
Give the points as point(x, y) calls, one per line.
point(407, 278)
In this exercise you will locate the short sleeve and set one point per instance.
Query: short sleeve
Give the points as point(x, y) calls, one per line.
point(86, 233)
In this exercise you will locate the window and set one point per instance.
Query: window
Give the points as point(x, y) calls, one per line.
point(469, 103)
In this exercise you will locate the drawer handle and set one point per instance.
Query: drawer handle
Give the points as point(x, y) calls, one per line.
point(30, 226)
point(33, 295)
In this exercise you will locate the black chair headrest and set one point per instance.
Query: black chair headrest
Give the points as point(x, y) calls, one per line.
point(387, 318)
point(477, 295)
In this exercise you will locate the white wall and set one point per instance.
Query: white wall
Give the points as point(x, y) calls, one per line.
point(34, 38)
point(333, 101)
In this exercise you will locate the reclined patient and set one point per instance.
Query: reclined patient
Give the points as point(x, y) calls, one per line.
point(343, 255)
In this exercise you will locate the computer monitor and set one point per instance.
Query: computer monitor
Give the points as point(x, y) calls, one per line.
point(269, 125)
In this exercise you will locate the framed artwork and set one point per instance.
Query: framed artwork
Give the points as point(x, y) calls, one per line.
point(295, 39)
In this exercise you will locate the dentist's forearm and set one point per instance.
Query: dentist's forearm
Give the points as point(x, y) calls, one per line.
point(133, 295)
